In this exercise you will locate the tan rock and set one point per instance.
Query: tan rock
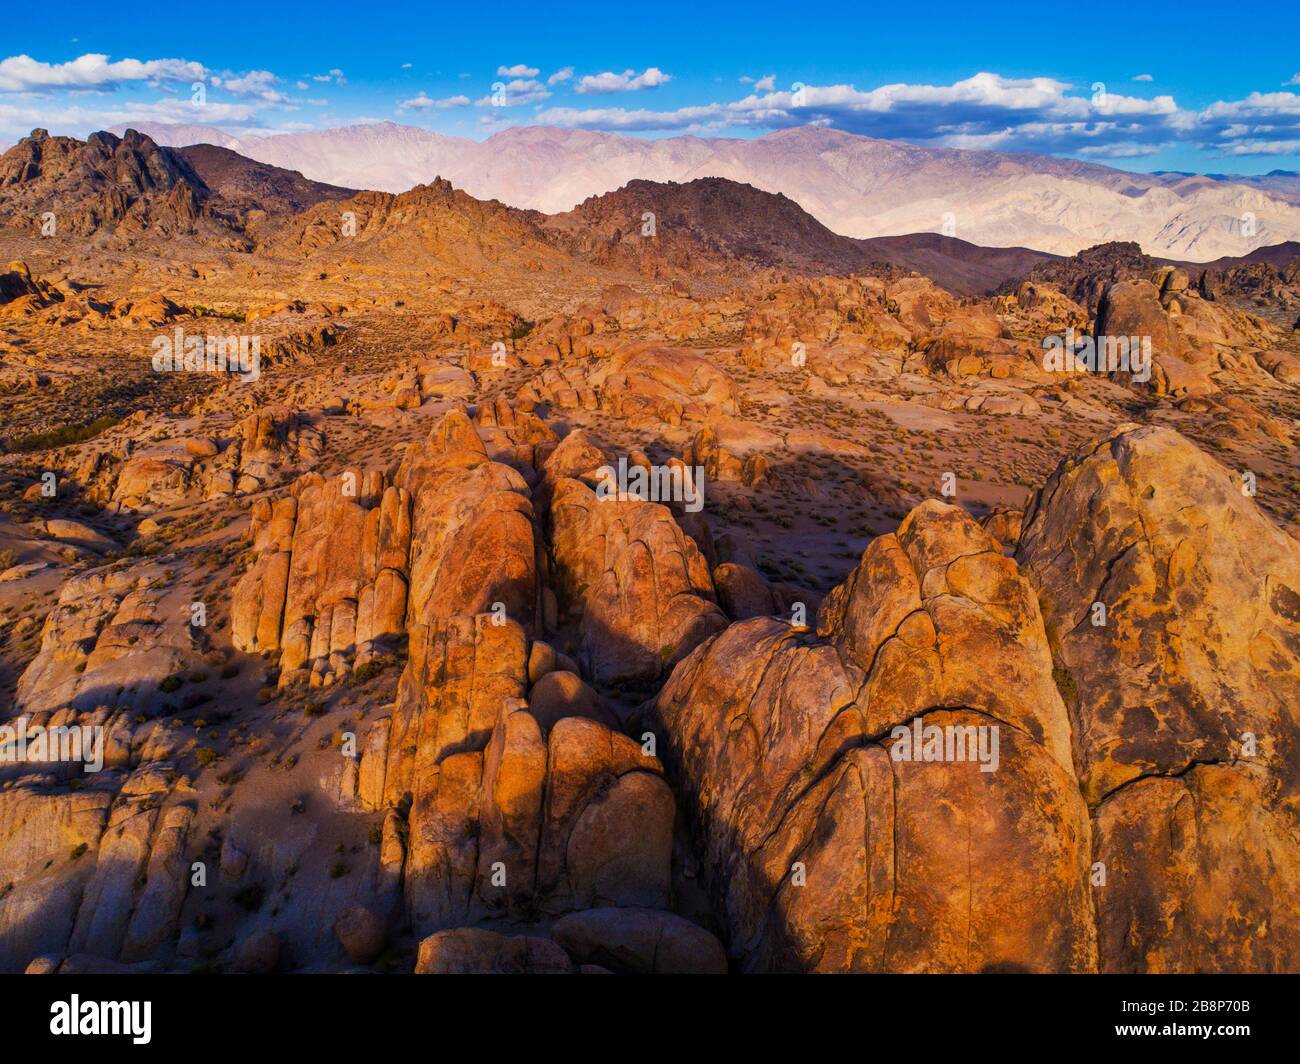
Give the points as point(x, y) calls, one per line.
point(475, 951)
point(641, 585)
point(640, 940)
point(825, 849)
point(1197, 650)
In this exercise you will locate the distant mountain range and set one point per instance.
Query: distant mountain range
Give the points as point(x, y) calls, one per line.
point(133, 191)
point(856, 186)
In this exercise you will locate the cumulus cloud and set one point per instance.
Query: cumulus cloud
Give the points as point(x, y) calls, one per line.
point(17, 118)
point(22, 73)
point(423, 102)
point(628, 81)
point(1143, 77)
point(764, 84)
point(563, 74)
point(255, 83)
point(985, 111)
point(1264, 123)
point(513, 93)
point(519, 70)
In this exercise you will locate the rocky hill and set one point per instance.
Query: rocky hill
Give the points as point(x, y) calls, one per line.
point(105, 186)
point(255, 185)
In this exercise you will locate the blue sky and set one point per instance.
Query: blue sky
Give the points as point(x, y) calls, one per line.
point(1192, 88)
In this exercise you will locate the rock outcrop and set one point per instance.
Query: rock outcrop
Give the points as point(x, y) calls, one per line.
point(1173, 606)
point(112, 639)
point(345, 564)
point(835, 835)
point(640, 583)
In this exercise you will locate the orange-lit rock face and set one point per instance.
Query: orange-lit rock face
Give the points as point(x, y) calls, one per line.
point(832, 852)
point(1183, 698)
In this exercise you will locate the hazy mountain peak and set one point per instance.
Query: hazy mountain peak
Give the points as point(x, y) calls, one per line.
point(856, 186)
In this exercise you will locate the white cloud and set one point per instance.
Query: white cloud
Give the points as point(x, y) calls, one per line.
point(406, 66)
point(519, 70)
point(986, 111)
point(764, 84)
point(22, 73)
point(516, 92)
point(1143, 77)
point(16, 119)
point(424, 103)
point(628, 81)
point(563, 74)
point(256, 83)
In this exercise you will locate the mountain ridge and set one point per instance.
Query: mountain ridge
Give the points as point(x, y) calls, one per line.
point(856, 186)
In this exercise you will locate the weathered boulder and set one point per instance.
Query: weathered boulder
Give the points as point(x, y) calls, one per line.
point(640, 583)
point(349, 563)
point(329, 576)
point(362, 933)
point(1173, 606)
point(833, 841)
point(504, 820)
point(561, 694)
point(477, 951)
point(641, 941)
point(472, 536)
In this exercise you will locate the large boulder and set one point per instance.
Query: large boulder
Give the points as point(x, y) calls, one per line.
point(845, 822)
point(344, 565)
point(640, 583)
point(640, 940)
point(504, 819)
point(1173, 605)
point(477, 951)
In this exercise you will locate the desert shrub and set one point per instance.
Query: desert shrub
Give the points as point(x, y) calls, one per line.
point(62, 436)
